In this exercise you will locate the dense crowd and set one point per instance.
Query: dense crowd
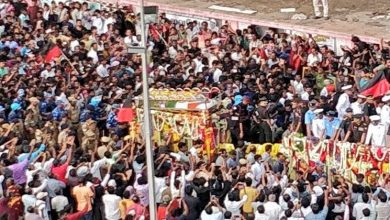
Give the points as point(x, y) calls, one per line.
point(64, 155)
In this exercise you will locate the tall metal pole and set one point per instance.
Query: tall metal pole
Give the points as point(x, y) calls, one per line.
point(147, 120)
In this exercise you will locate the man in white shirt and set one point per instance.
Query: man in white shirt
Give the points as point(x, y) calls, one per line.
point(318, 126)
point(298, 86)
point(233, 205)
point(59, 202)
point(130, 39)
point(343, 102)
point(376, 133)
point(236, 56)
point(385, 111)
point(98, 22)
point(358, 208)
point(381, 207)
point(198, 64)
point(102, 69)
point(217, 71)
point(93, 53)
point(314, 57)
point(173, 49)
point(259, 213)
point(308, 91)
point(357, 107)
point(48, 72)
point(108, 20)
point(213, 211)
point(257, 170)
point(95, 169)
point(111, 204)
point(272, 209)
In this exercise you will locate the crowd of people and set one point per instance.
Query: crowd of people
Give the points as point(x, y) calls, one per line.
point(64, 155)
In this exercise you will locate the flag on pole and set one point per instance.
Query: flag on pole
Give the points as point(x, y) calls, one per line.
point(126, 112)
point(378, 86)
point(53, 53)
point(154, 32)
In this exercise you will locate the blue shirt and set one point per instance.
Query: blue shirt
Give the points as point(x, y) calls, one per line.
point(14, 115)
point(20, 101)
point(98, 113)
point(331, 126)
point(58, 113)
point(45, 106)
point(319, 216)
point(111, 120)
point(309, 117)
point(34, 155)
point(85, 115)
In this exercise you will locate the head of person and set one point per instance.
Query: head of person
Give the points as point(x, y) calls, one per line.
point(330, 115)
point(357, 118)
point(375, 119)
point(366, 212)
point(382, 196)
point(261, 209)
point(228, 215)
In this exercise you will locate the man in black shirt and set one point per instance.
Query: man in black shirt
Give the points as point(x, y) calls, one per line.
point(263, 122)
point(194, 47)
point(369, 108)
point(357, 130)
point(239, 122)
point(345, 124)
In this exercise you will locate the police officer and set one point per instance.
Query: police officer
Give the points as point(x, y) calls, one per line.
point(263, 122)
point(343, 103)
point(369, 108)
point(357, 130)
point(239, 121)
point(385, 116)
point(358, 105)
point(345, 123)
point(332, 124)
point(376, 133)
point(385, 112)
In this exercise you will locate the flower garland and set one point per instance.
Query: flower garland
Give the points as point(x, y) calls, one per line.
point(173, 124)
point(195, 129)
point(376, 157)
point(158, 122)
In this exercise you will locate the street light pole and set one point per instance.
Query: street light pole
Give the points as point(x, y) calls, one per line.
point(147, 119)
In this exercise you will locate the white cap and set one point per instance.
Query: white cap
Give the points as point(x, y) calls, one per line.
point(346, 87)
point(115, 63)
point(215, 41)
point(375, 118)
point(41, 195)
point(318, 191)
point(48, 31)
point(318, 111)
point(111, 183)
point(327, 81)
point(386, 98)
point(362, 96)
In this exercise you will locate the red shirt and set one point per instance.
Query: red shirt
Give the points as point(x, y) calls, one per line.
point(60, 172)
point(77, 215)
point(161, 213)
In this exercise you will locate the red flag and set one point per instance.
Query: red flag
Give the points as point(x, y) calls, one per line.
point(377, 86)
point(126, 113)
point(53, 53)
point(154, 32)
